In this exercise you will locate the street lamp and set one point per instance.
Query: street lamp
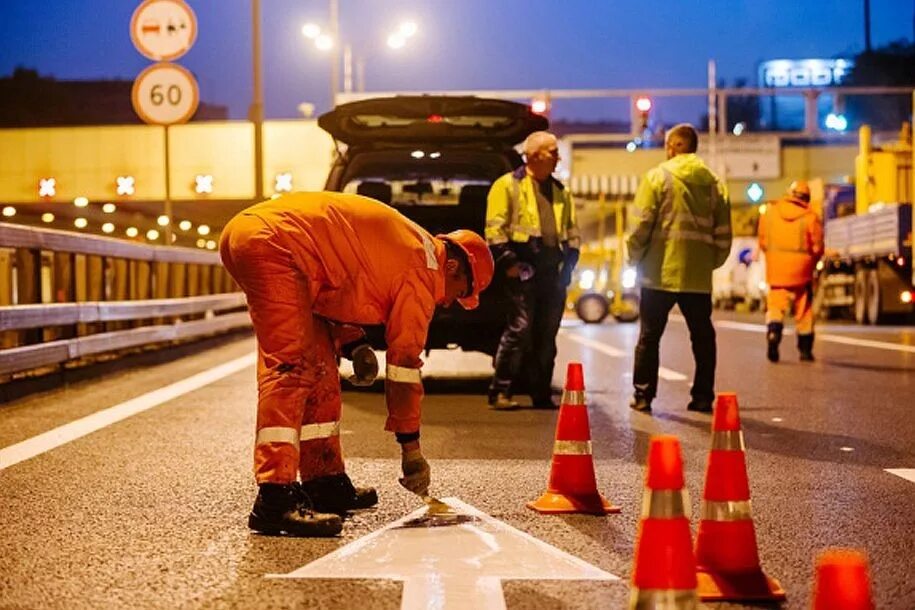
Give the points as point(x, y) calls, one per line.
point(326, 41)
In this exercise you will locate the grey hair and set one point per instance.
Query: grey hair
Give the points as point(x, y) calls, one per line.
point(537, 141)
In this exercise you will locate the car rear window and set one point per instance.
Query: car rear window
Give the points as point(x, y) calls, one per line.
point(418, 190)
point(380, 121)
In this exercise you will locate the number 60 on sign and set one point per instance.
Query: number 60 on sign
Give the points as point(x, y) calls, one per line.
point(165, 94)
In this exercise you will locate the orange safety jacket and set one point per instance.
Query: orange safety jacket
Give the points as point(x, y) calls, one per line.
point(791, 235)
point(367, 264)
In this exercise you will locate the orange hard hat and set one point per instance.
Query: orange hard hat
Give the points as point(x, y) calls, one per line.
point(479, 259)
point(800, 189)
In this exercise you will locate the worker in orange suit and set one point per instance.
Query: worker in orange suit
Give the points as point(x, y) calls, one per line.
point(315, 266)
point(791, 235)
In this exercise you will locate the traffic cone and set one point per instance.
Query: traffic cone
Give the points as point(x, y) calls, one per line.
point(726, 553)
point(842, 581)
point(664, 569)
point(573, 486)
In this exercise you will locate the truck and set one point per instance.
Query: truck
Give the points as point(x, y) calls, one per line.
point(866, 271)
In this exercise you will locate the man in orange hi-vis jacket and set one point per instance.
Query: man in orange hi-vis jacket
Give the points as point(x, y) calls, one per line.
point(310, 265)
point(791, 235)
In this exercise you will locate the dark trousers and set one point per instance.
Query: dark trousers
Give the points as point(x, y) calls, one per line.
point(526, 354)
point(653, 311)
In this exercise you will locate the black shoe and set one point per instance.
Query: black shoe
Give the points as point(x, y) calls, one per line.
point(805, 347)
point(286, 510)
point(700, 406)
point(337, 494)
point(640, 403)
point(773, 338)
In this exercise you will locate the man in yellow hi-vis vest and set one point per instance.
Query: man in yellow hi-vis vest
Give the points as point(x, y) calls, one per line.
point(683, 234)
point(532, 231)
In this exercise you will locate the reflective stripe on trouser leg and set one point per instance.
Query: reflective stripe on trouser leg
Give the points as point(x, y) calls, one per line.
point(320, 453)
point(278, 298)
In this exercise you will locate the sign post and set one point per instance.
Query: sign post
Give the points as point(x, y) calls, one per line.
point(164, 93)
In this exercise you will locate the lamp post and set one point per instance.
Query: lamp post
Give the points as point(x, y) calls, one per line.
point(328, 42)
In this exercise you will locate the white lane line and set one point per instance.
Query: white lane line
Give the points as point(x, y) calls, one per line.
point(906, 473)
point(760, 328)
point(614, 352)
point(62, 435)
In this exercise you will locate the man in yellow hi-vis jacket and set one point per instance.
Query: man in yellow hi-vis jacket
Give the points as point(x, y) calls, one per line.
point(532, 231)
point(683, 234)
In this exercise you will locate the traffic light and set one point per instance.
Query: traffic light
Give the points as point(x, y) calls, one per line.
point(643, 106)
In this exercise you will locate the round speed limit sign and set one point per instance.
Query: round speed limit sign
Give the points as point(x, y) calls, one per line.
point(165, 94)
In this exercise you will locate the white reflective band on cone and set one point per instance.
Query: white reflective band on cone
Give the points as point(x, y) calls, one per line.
point(277, 434)
point(665, 504)
point(733, 510)
point(311, 432)
point(573, 398)
point(403, 374)
point(572, 448)
point(663, 599)
point(728, 440)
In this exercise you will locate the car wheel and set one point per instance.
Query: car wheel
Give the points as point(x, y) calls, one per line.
point(629, 311)
point(592, 308)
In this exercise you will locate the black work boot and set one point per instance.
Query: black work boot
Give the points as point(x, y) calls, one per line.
point(773, 337)
point(805, 347)
point(640, 402)
point(285, 510)
point(337, 494)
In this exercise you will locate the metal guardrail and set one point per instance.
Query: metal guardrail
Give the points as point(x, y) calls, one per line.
point(66, 296)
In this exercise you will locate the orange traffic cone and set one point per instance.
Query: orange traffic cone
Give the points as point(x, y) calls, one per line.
point(664, 570)
point(573, 486)
point(842, 581)
point(726, 553)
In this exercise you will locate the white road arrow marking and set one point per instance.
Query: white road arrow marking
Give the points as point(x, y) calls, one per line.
point(458, 566)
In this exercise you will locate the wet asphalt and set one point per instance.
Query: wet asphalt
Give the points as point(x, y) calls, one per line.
point(150, 512)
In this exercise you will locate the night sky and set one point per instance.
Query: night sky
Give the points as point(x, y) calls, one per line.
point(462, 44)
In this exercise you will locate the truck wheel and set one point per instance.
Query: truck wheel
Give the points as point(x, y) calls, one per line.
point(861, 296)
point(592, 308)
point(874, 304)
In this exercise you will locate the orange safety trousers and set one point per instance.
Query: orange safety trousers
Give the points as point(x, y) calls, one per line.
point(298, 384)
point(779, 300)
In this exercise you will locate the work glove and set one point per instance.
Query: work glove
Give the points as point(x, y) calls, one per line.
point(416, 472)
point(365, 365)
point(570, 259)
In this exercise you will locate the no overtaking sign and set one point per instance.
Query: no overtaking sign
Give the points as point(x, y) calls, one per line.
point(163, 30)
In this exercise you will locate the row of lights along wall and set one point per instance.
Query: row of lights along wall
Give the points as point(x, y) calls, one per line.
point(126, 185)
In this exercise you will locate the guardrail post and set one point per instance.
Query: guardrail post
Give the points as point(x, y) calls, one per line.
point(63, 286)
point(120, 287)
point(9, 338)
point(28, 286)
point(95, 286)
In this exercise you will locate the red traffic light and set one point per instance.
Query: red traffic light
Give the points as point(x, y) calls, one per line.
point(643, 104)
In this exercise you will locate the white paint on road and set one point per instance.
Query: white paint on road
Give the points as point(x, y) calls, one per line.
point(62, 435)
point(827, 337)
point(452, 567)
point(906, 473)
point(615, 352)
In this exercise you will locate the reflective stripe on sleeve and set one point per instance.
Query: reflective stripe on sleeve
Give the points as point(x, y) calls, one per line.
point(327, 429)
point(403, 374)
point(277, 434)
point(682, 235)
point(723, 230)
